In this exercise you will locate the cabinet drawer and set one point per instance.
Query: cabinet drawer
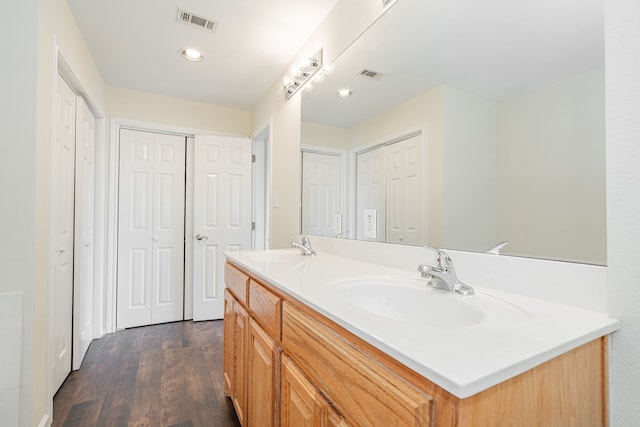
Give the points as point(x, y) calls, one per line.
point(237, 282)
point(361, 388)
point(266, 308)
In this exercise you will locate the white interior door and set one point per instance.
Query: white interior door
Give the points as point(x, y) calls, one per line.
point(84, 235)
point(370, 195)
point(222, 216)
point(321, 194)
point(405, 192)
point(150, 228)
point(63, 206)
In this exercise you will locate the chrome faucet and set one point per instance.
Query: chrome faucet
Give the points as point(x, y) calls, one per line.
point(304, 245)
point(443, 276)
point(495, 249)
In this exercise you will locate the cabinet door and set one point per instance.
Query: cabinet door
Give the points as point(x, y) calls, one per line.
point(239, 382)
point(229, 355)
point(298, 397)
point(365, 391)
point(263, 377)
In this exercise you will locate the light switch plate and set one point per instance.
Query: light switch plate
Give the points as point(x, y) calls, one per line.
point(370, 224)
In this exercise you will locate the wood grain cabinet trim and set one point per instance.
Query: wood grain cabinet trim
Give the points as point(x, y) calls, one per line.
point(237, 282)
point(266, 308)
point(364, 391)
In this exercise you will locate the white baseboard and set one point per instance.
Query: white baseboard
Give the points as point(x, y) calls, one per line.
point(45, 421)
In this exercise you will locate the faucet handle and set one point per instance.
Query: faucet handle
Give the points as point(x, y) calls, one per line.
point(443, 260)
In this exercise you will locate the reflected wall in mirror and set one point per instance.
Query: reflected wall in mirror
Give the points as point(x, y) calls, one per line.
point(507, 100)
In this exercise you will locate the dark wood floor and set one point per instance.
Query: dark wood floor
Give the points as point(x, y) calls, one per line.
point(161, 375)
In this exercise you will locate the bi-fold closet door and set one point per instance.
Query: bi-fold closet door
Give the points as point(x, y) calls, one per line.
point(151, 228)
point(390, 193)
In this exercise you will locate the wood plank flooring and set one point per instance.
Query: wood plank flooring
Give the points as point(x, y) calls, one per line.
point(162, 375)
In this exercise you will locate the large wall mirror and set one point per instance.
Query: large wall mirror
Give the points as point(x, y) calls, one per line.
point(469, 123)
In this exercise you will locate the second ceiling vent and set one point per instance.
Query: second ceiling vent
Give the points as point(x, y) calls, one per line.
point(370, 74)
point(190, 18)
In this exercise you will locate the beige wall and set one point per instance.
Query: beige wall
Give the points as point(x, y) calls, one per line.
point(551, 181)
point(622, 64)
point(152, 108)
point(18, 106)
point(318, 135)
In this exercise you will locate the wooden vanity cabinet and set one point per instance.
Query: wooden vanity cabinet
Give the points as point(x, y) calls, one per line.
point(287, 365)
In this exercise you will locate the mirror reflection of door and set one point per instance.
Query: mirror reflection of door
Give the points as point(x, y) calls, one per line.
point(390, 193)
point(321, 194)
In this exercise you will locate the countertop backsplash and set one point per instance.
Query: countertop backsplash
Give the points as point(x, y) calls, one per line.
point(574, 284)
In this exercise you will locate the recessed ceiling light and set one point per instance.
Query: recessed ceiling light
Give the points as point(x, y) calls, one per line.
point(343, 93)
point(192, 55)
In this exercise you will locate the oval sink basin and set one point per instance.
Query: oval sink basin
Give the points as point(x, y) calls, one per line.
point(276, 256)
point(411, 300)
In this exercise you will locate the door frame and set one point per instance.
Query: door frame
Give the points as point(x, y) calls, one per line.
point(261, 150)
point(386, 140)
point(347, 231)
point(117, 123)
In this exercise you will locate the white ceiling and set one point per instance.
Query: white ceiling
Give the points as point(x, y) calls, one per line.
point(495, 49)
point(136, 44)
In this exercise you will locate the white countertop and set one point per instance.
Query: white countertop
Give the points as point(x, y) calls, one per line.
point(463, 360)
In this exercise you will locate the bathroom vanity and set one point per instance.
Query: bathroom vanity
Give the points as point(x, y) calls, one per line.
point(330, 341)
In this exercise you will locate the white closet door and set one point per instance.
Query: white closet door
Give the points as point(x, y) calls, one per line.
point(321, 194)
point(168, 229)
point(62, 206)
point(222, 216)
point(84, 226)
point(370, 193)
point(405, 192)
point(150, 228)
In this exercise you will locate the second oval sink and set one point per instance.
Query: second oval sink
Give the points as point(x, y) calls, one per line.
point(411, 300)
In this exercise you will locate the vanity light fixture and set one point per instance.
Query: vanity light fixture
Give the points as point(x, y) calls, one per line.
point(192, 55)
point(344, 93)
point(301, 74)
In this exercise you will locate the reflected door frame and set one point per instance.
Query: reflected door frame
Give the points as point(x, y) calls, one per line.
point(347, 232)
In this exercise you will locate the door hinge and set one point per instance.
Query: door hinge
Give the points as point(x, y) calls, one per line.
point(253, 226)
point(253, 158)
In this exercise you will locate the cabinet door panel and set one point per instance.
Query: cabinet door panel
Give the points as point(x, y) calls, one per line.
point(364, 391)
point(237, 282)
point(263, 377)
point(241, 326)
point(229, 356)
point(265, 308)
point(297, 398)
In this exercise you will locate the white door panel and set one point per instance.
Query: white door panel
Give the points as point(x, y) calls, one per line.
point(150, 228)
point(370, 192)
point(222, 216)
point(84, 235)
point(405, 192)
point(63, 207)
point(168, 228)
point(321, 194)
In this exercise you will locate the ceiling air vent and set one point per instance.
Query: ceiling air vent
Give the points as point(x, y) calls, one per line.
point(370, 74)
point(198, 21)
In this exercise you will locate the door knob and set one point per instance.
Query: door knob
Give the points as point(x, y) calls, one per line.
point(201, 237)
